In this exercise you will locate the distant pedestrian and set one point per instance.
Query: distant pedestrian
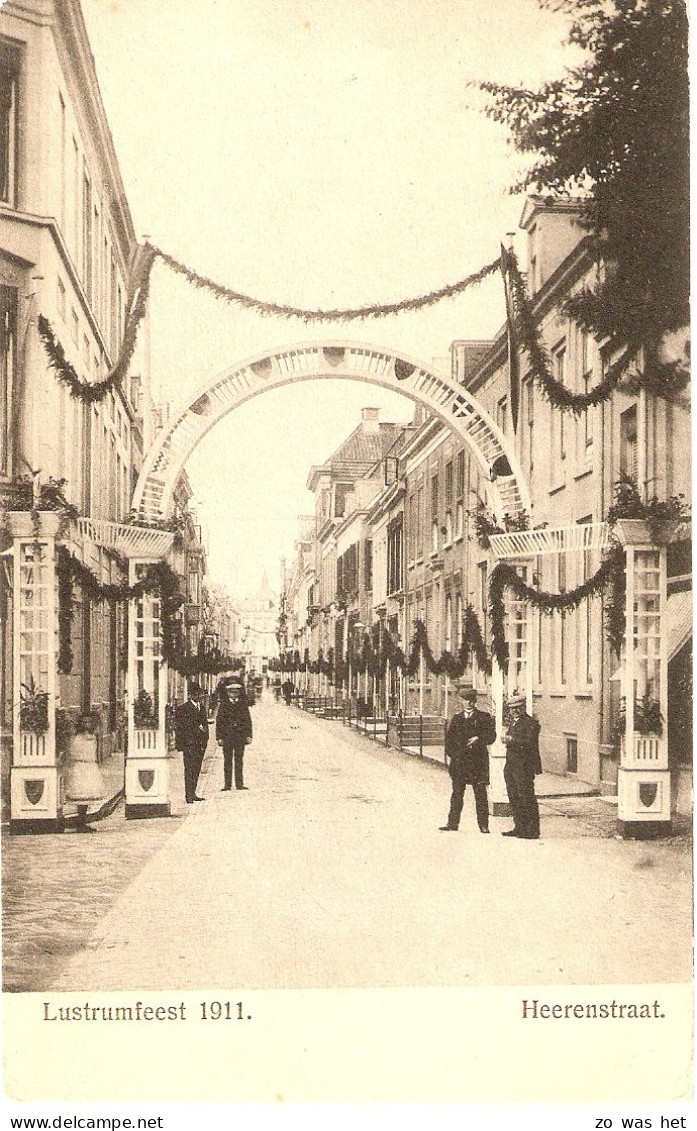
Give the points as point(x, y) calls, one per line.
point(191, 737)
point(521, 739)
point(84, 782)
point(233, 731)
point(288, 690)
point(469, 735)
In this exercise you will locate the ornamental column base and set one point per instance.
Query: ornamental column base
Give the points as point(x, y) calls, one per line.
point(148, 787)
point(498, 794)
point(36, 800)
point(643, 803)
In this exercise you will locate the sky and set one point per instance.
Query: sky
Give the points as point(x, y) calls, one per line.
point(324, 153)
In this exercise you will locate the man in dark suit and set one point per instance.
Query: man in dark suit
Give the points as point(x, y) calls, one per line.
point(233, 730)
point(469, 735)
point(191, 737)
point(521, 739)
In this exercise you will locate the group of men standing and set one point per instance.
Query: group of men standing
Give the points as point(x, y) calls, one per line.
point(233, 731)
point(467, 742)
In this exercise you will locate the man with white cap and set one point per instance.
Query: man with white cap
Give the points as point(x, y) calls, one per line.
point(469, 735)
point(521, 739)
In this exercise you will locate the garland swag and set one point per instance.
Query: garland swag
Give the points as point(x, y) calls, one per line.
point(158, 578)
point(374, 656)
point(504, 576)
point(555, 391)
point(86, 391)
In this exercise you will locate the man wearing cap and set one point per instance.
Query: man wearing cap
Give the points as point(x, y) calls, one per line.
point(521, 739)
point(469, 735)
point(233, 730)
point(191, 737)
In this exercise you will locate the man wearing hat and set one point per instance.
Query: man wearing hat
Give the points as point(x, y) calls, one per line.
point(191, 737)
point(521, 739)
point(233, 730)
point(469, 735)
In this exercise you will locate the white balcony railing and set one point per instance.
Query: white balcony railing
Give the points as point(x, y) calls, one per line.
point(132, 541)
point(551, 540)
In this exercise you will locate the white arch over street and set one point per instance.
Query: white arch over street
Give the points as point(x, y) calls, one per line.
point(154, 495)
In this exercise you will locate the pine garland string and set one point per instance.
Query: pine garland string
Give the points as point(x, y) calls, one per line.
point(504, 576)
point(94, 392)
point(282, 310)
point(554, 390)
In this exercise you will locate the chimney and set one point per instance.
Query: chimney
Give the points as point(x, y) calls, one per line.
point(370, 418)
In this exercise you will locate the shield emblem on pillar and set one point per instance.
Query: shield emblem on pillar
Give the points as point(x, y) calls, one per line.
point(648, 791)
point(261, 368)
point(146, 779)
point(34, 790)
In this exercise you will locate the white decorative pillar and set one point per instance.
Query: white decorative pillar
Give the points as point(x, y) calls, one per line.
point(500, 806)
point(643, 781)
point(147, 764)
point(36, 787)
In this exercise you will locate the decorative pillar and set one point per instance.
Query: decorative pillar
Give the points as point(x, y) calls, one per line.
point(517, 677)
point(36, 784)
point(500, 805)
point(147, 765)
point(643, 780)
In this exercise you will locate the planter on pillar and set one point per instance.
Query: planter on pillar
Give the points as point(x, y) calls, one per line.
point(643, 785)
point(36, 793)
point(147, 763)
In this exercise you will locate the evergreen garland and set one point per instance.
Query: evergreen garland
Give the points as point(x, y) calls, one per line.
point(93, 392)
point(555, 391)
point(504, 576)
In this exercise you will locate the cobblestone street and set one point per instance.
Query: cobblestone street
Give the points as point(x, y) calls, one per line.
point(331, 872)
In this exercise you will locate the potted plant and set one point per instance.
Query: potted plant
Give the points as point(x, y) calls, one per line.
point(33, 708)
point(654, 521)
point(648, 719)
point(144, 717)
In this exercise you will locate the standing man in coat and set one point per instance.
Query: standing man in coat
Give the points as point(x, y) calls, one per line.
point(233, 730)
point(191, 737)
point(470, 733)
point(522, 764)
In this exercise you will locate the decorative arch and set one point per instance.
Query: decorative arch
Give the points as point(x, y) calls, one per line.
point(153, 500)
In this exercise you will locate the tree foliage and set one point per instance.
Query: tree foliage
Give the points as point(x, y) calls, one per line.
point(614, 131)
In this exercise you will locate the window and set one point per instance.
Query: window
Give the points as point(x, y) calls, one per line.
point(483, 595)
point(74, 326)
point(529, 418)
point(61, 109)
point(562, 627)
point(435, 532)
point(460, 495)
point(571, 754)
point(628, 444)
point(501, 414)
point(87, 235)
point(341, 492)
point(420, 522)
point(448, 623)
point(584, 651)
point(586, 422)
point(395, 535)
point(449, 501)
point(9, 122)
point(8, 372)
point(368, 566)
point(559, 364)
point(193, 586)
point(60, 299)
